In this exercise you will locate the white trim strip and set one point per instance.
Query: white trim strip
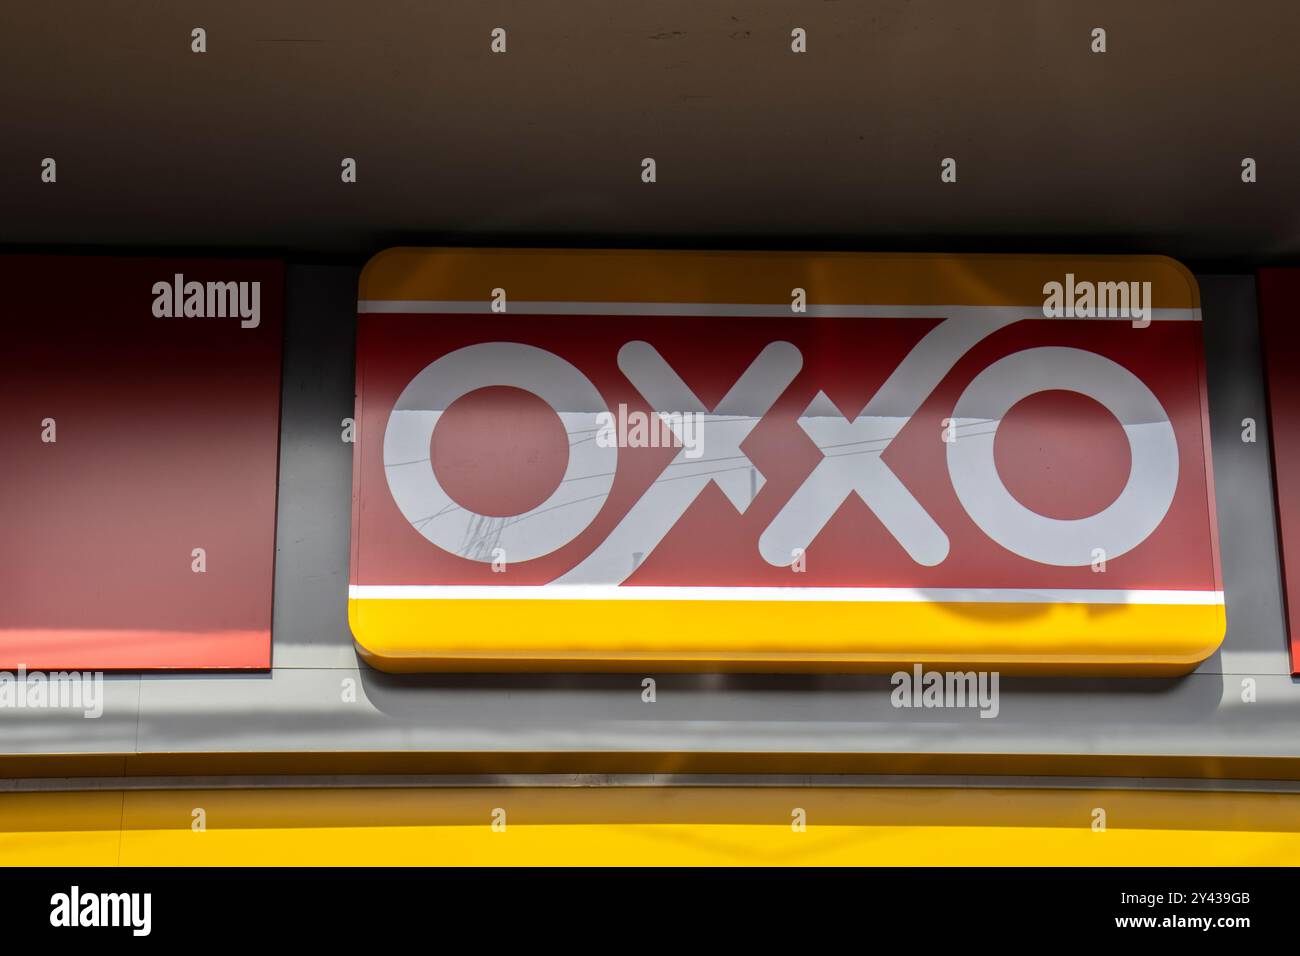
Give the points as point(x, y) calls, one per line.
point(614, 592)
point(483, 307)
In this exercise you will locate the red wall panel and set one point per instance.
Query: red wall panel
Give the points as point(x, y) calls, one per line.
point(167, 433)
point(1279, 317)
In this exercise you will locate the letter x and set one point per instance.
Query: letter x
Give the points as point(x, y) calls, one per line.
point(852, 450)
point(722, 462)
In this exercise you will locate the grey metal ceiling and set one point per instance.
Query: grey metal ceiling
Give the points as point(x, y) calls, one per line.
point(1137, 149)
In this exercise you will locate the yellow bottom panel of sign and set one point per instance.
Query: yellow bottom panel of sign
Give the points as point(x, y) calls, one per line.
point(398, 634)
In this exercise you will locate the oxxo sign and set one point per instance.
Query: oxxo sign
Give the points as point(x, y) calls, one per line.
point(776, 461)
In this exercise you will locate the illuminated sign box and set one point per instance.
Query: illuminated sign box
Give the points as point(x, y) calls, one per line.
point(769, 461)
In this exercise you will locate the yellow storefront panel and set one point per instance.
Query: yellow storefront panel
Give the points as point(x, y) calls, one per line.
point(639, 826)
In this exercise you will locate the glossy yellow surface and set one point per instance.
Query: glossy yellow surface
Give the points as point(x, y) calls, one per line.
point(419, 635)
point(649, 827)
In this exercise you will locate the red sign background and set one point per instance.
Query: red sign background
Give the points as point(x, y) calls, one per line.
point(1059, 452)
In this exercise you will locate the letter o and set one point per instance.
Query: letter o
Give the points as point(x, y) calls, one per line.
point(435, 515)
point(1118, 528)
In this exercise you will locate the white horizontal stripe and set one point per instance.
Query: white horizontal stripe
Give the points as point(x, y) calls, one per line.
point(614, 592)
point(484, 307)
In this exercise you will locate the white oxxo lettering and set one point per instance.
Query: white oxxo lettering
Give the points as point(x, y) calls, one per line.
point(852, 451)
